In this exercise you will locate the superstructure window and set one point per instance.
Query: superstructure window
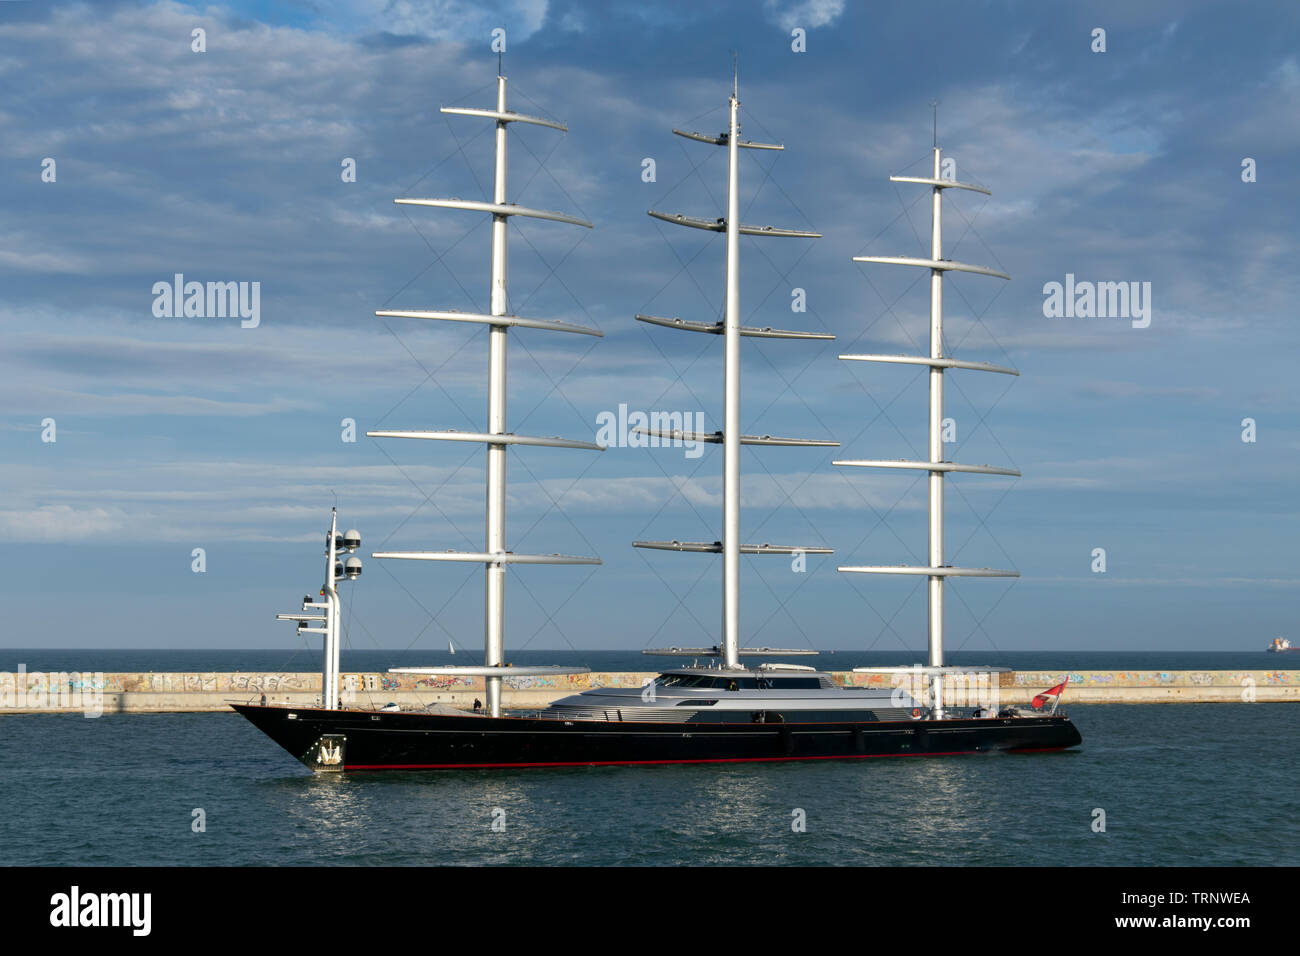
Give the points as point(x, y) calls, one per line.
point(696, 680)
point(686, 680)
point(795, 683)
point(724, 682)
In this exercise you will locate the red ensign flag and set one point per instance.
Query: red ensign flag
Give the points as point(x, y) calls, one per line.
point(1047, 695)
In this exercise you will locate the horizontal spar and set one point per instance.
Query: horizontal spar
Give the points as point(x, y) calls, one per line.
point(717, 328)
point(942, 572)
point(939, 183)
point(941, 265)
point(496, 208)
point(929, 466)
point(479, 318)
point(720, 225)
point(484, 557)
point(505, 117)
point(932, 362)
point(470, 670)
point(490, 439)
point(715, 438)
point(723, 138)
point(715, 651)
point(715, 547)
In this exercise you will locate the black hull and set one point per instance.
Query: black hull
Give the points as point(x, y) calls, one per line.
point(354, 740)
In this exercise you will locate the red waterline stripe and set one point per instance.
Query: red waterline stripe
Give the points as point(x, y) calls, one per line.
point(632, 763)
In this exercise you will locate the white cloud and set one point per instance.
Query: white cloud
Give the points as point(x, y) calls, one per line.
point(459, 21)
point(60, 523)
point(211, 500)
point(808, 14)
point(22, 258)
point(1287, 75)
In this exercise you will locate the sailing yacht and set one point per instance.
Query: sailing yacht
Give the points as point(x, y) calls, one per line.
point(725, 711)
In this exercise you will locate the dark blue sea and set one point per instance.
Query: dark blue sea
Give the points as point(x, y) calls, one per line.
point(1178, 784)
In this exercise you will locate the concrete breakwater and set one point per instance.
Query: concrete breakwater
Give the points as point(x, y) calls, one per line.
point(107, 693)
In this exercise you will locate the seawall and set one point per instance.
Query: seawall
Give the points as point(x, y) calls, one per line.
point(78, 692)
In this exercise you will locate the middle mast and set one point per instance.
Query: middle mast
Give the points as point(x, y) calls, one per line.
point(495, 554)
point(730, 547)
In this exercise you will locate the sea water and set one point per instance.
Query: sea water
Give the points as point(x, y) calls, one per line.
point(1153, 784)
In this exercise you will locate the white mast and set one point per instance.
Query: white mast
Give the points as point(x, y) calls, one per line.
point(495, 555)
point(494, 574)
point(730, 438)
point(937, 571)
point(731, 409)
point(935, 584)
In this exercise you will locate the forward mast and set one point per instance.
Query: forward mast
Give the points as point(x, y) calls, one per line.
point(495, 555)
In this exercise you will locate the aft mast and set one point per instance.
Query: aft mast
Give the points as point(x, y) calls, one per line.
point(937, 571)
point(495, 555)
point(730, 438)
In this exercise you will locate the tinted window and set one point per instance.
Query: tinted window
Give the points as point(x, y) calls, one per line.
point(795, 683)
point(721, 682)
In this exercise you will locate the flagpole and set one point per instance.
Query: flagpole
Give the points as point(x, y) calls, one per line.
point(1057, 702)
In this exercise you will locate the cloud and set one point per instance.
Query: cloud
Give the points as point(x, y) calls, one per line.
point(61, 524)
point(459, 21)
point(808, 14)
point(1125, 391)
point(20, 259)
point(234, 500)
point(1287, 75)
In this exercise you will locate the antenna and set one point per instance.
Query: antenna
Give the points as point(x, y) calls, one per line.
point(934, 105)
point(936, 571)
point(495, 554)
point(730, 437)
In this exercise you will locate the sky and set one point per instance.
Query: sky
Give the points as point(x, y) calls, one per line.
point(1166, 159)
